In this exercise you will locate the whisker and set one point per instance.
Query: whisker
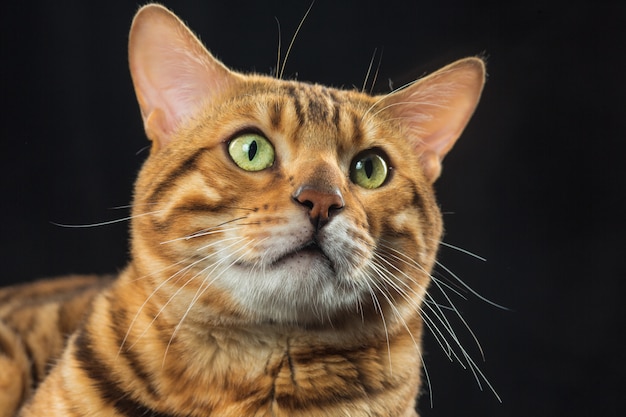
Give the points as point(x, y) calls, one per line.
point(474, 368)
point(201, 233)
point(380, 60)
point(470, 289)
point(155, 272)
point(391, 303)
point(279, 48)
point(465, 251)
point(142, 149)
point(436, 310)
point(210, 245)
point(384, 97)
point(385, 275)
point(293, 39)
point(439, 336)
point(369, 69)
point(439, 305)
point(105, 223)
point(460, 316)
point(378, 307)
point(207, 231)
point(125, 206)
point(449, 286)
point(439, 314)
point(134, 204)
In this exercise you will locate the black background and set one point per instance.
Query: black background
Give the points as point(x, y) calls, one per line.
point(535, 185)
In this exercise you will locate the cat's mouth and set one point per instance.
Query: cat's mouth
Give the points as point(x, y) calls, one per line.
point(309, 250)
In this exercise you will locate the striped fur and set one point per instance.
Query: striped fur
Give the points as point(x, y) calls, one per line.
point(289, 291)
point(35, 321)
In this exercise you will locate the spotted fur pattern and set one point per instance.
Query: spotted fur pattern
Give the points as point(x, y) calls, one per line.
point(288, 291)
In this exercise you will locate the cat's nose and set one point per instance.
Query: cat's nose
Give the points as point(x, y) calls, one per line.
point(321, 204)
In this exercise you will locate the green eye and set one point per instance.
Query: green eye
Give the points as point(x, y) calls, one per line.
point(369, 170)
point(251, 152)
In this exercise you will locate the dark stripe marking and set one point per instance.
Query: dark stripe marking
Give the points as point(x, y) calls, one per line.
point(418, 201)
point(187, 166)
point(336, 107)
point(119, 322)
point(109, 390)
point(318, 109)
point(297, 106)
point(357, 131)
point(34, 374)
point(276, 115)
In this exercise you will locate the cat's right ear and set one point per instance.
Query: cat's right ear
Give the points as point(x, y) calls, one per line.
point(172, 72)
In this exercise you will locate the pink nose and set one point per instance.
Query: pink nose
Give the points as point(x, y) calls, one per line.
point(320, 204)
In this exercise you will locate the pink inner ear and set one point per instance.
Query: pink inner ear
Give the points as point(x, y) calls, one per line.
point(173, 74)
point(436, 109)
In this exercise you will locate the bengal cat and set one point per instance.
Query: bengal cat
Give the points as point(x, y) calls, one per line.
point(283, 236)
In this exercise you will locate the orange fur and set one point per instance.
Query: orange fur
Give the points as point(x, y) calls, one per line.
point(294, 290)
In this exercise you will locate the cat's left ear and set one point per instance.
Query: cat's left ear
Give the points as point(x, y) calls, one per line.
point(434, 110)
point(173, 73)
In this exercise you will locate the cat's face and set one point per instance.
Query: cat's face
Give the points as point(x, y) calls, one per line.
point(284, 201)
point(297, 199)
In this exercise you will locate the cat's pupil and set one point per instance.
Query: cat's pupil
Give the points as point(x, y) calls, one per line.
point(252, 150)
point(369, 167)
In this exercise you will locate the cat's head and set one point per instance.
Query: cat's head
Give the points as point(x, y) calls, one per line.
point(284, 201)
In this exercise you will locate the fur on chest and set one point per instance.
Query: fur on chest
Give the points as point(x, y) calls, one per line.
point(250, 373)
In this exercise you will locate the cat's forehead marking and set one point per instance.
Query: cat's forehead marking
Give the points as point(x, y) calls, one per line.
point(315, 108)
point(313, 103)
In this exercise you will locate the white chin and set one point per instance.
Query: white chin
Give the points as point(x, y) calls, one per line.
point(300, 288)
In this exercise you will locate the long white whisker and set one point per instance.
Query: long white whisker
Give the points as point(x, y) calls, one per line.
point(384, 97)
point(380, 60)
point(439, 314)
point(279, 48)
point(475, 369)
point(369, 69)
point(205, 232)
point(210, 245)
point(439, 336)
point(465, 251)
point(460, 316)
point(379, 308)
point(471, 364)
point(470, 289)
point(123, 219)
point(385, 275)
point(293, 39)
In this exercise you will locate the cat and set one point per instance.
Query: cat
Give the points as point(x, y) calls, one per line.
point(282, 239)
